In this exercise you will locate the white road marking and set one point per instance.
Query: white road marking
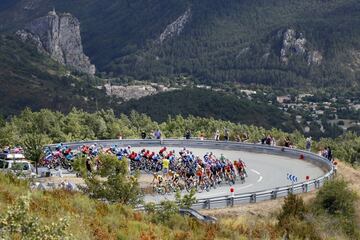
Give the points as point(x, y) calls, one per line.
point(250, 185)
point(255, 171)
point(260, 178)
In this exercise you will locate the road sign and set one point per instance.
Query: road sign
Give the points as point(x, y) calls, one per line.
point(292, 178)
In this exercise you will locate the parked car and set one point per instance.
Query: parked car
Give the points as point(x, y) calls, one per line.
point(198, 216)
point(16, 163)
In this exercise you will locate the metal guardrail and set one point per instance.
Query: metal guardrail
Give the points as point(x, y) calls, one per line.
point(226, 200)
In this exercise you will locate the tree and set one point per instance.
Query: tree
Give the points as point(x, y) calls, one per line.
point(34, 144)
point(112, 182)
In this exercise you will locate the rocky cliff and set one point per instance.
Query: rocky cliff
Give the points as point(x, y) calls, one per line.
point(176, 27)
point(59, 36)
point(294, 43)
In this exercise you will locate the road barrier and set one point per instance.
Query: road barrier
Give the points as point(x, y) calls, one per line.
point(235, 199)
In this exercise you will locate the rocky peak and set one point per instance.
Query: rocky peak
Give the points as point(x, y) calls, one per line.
point(294, 43)
point(176, 27)
point(59, 36)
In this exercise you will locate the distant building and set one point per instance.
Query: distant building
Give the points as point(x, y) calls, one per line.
point(282, 99)
point(356, 107)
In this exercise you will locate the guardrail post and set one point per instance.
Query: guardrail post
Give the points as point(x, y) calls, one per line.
point(305, 187)
point(207, 204)
point(231, 201)
point(290, 190)
point(253, 198)
point(317, 184)
point(274, 194)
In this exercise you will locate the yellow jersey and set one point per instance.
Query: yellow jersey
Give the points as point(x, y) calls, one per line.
point(165, 163)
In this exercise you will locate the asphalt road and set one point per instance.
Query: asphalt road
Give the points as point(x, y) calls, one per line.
point(264, 172)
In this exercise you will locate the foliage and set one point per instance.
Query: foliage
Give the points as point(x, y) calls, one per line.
point(232, 41)
point(293, 207)
point(30, 79)
point(163, 213)
point(207, 103)
point(18, 223)
point(187, 200)
point(80, 125)
point(33, 146)
point(336, 199)
point(292, 219)
point(345, 147)
point(115, 184)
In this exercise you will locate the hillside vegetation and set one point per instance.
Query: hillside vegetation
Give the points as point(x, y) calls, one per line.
point(206, 103)
point(29, 79)
point(224, 41)
point(55, 127)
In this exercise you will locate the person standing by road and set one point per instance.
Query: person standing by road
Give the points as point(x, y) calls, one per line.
point(226, 134)
point(187, 134)
point(308, 144)
point(217, 135)
point(329, 154)
point(157, 134)
point(143, 134)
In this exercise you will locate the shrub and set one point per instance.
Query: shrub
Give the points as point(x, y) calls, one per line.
point(292, 219)
point(187, 200)
point(17, 223)
point(118, 186)
point(336, 199)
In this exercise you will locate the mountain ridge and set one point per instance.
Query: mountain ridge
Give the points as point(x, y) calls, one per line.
point(121, 38)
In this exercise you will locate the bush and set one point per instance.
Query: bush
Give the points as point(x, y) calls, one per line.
point(17, 223)
point(336, 199)
point(118, 186)
point(292, 219)
point(187, 200)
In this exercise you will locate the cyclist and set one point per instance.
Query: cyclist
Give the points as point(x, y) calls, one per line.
point(165, 166)
point(157, 179)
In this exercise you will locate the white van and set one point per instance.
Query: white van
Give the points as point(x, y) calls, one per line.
point(16, 163)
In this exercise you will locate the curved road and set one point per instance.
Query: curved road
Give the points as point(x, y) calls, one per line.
point(265, 172)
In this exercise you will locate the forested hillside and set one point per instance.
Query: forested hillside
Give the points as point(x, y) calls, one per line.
point(219, 41)
point(29, 79)
point(207, 103)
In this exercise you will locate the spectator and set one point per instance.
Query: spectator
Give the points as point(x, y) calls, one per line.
point(202, 137)
point(157, 134)
point(268, 140)
point(287, 142)
point(226, 134)
point(188, 134)
point(217, 135)
point(329, 154)
point(273, 141)
point(263, 140)
point(143, 135)
point(308, 143)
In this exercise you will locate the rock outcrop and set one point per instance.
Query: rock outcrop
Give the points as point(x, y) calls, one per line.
point(294, 43)
point(135, 91)
point(176, 27)
point(59, 36)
